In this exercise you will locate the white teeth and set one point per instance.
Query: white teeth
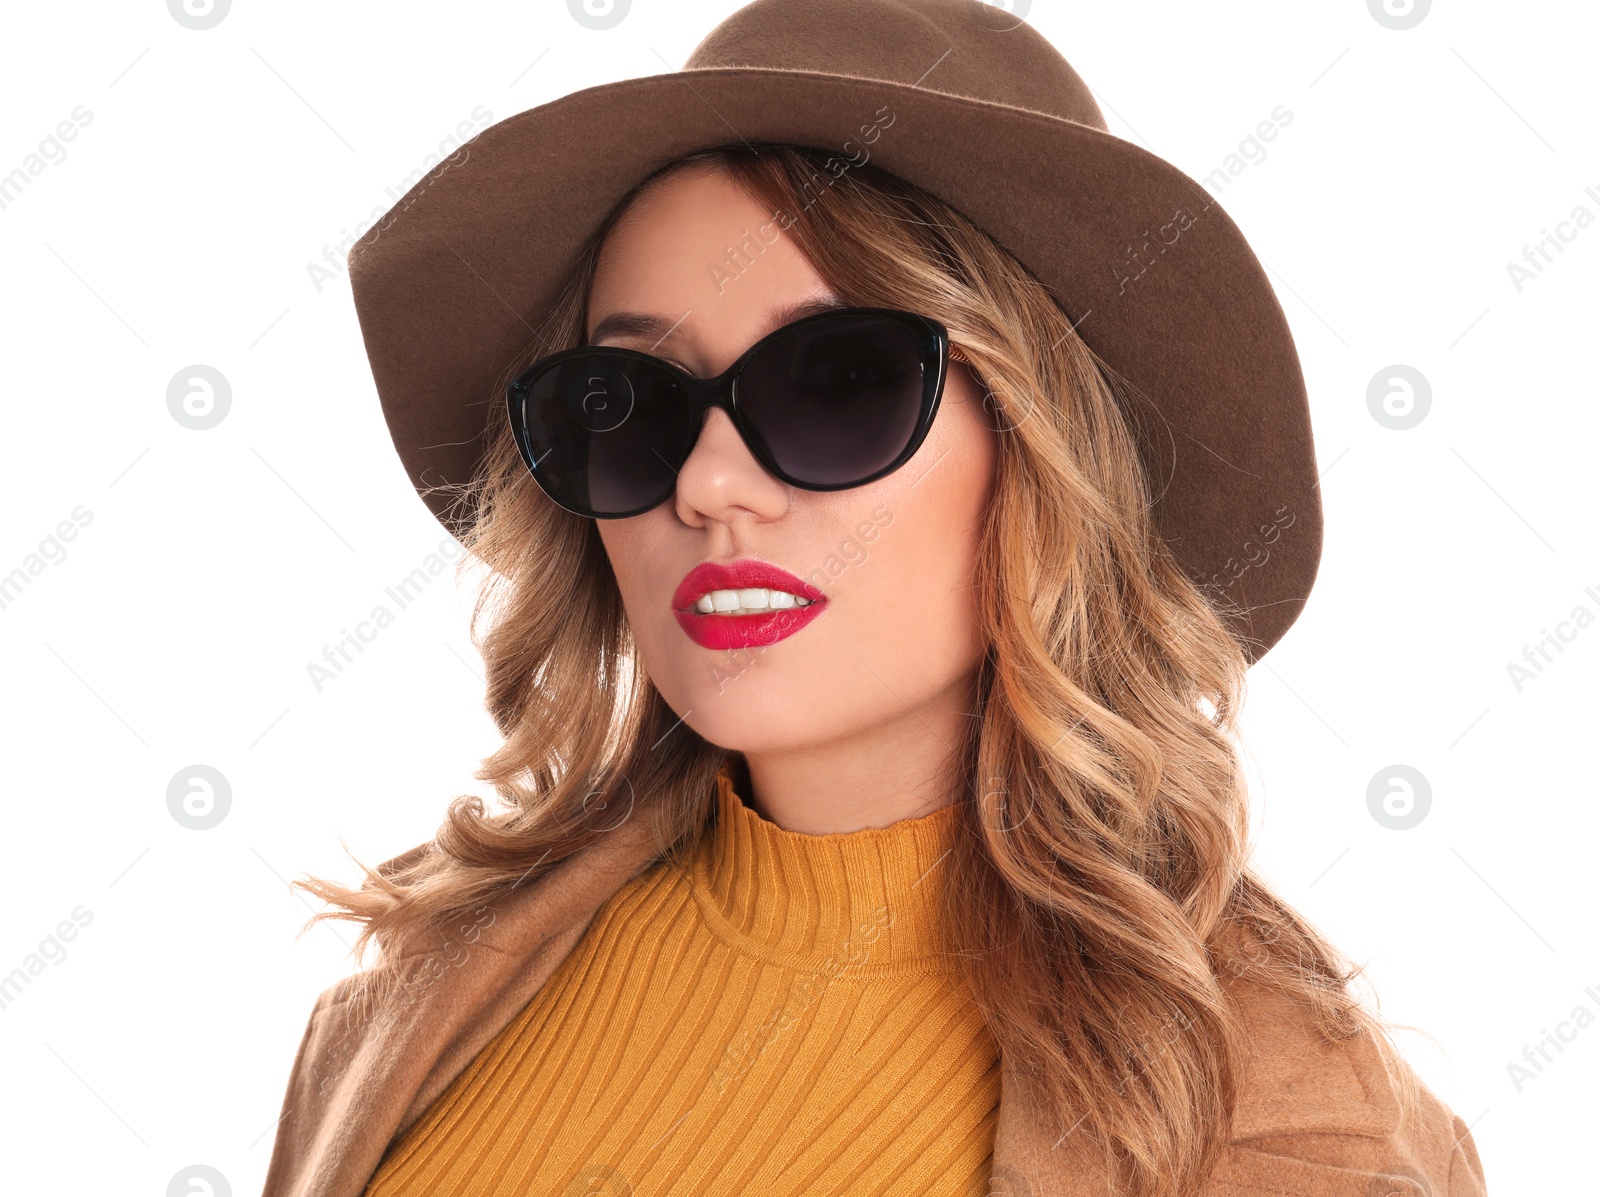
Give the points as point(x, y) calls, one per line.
point(747, 601)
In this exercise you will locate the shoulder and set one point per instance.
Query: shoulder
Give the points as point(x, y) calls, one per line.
point(1320, 1116)
point(336, 1014)
point(563, 899)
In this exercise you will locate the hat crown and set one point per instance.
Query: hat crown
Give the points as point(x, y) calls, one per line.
point(964, 48)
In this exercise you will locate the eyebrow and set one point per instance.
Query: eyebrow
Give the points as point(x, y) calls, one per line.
point(638, 324)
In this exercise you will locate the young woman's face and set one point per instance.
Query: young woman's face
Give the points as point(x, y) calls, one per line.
point(896, 637)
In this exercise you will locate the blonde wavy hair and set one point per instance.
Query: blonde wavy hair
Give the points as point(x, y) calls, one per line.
point(1100, 902)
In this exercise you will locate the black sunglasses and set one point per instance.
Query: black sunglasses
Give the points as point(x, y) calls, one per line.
point(828, 402)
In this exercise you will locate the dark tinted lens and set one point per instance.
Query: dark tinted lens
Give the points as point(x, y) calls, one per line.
point(601, 427)
point(837, 400)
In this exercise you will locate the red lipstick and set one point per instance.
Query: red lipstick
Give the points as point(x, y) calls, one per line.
point(742, 631)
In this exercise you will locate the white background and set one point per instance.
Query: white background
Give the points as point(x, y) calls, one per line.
point(217, 166)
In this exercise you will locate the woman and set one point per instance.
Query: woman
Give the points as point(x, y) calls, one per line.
point(874, 822)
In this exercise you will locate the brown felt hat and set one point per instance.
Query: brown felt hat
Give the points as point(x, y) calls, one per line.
point(966, 101)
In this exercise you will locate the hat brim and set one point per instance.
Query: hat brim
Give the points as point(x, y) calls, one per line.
point(1158, 280)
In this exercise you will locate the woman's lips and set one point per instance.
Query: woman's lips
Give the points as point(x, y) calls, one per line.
point(744, 631)
point(722, 631)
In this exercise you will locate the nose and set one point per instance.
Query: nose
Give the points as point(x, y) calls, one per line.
point(722, 478)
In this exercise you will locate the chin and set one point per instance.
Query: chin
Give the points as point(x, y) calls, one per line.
point(753, 711)
point(738, 732)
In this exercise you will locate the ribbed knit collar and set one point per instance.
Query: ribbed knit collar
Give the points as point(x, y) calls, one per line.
point(864, 903)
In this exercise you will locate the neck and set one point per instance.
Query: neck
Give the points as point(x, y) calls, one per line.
point(871, 779)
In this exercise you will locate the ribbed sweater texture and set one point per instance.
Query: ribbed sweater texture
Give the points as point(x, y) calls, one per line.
point(778, 1019)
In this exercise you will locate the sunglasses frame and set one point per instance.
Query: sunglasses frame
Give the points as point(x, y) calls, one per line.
point(933, 345)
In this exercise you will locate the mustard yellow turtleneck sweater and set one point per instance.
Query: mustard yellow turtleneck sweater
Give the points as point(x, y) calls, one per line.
point(778, 1020)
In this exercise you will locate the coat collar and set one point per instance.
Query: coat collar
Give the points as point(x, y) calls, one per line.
point(365, 1072)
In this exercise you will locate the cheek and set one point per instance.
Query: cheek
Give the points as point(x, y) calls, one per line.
point(918, 587)
point(957, 508)
point(956, 485)
point(628, 547)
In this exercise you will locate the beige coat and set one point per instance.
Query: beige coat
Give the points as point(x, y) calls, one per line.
point(1315, 1120)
